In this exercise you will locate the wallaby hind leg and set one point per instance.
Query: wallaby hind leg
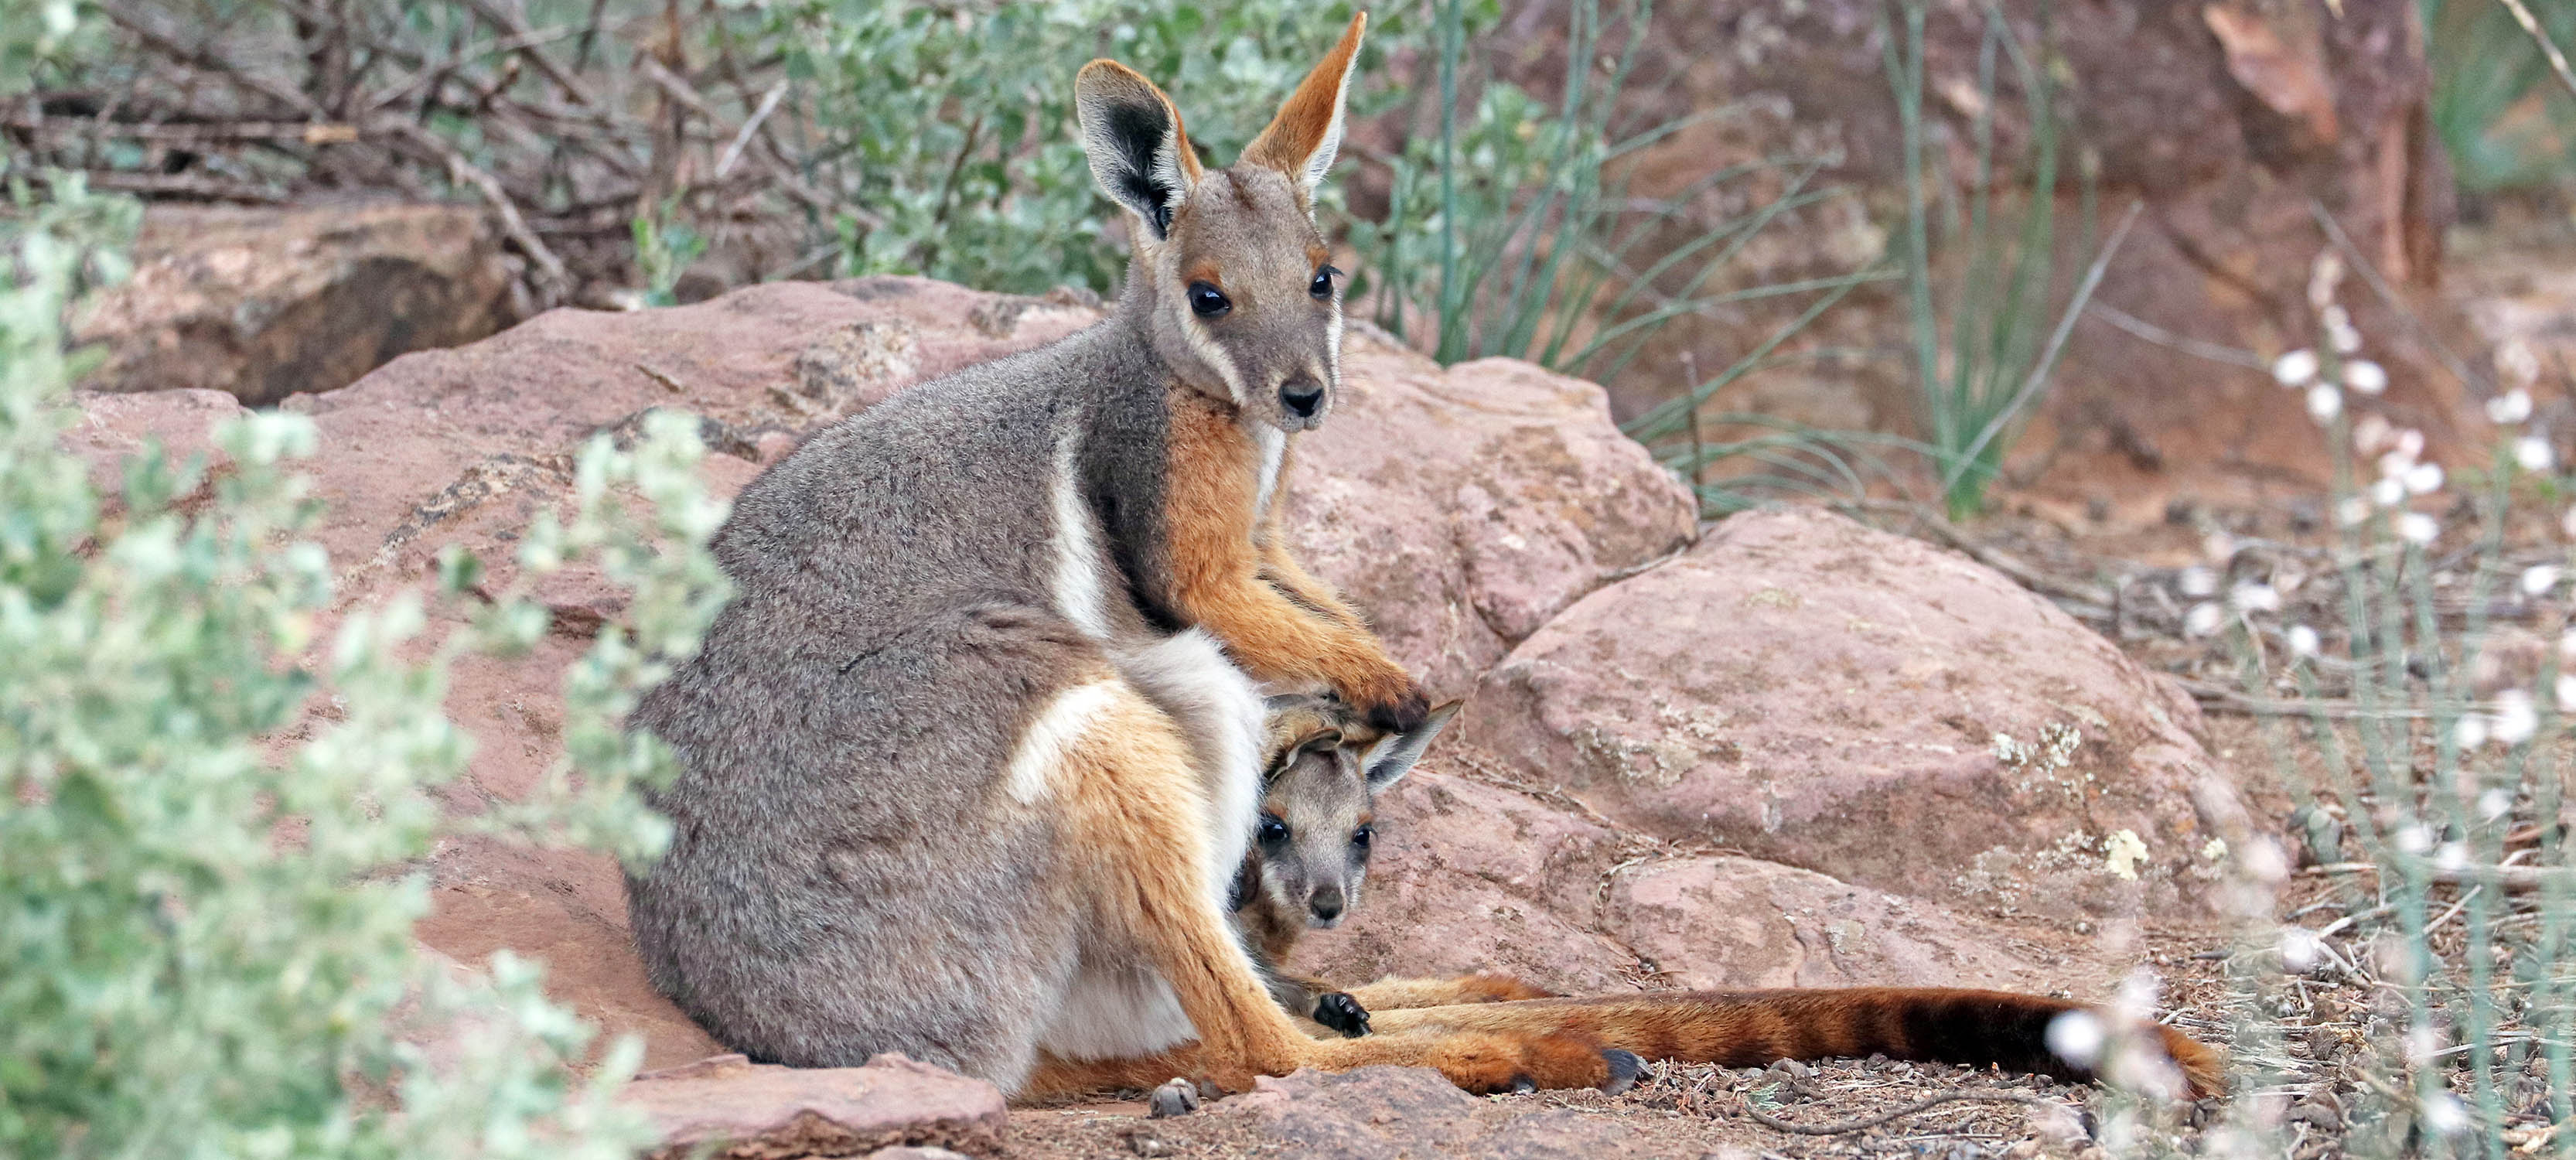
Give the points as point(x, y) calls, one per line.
point(1134, 804)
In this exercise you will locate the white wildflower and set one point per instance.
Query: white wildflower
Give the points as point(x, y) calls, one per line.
point(2077, 1037)
point(2344, 339)
point(2452, 856)
point(2421, 1043)
point(2413, 838)
point(2370, 433)
point(2203, 619)
point(2388, 492)
point(2299, 949)
point(2423, 478)
point(2494, 803)
point(2470, 733)
point(2567, 523)
point(2255, 598)
point(2418, 528)
point(2295, 369)
point(2196, 581)
point(2303, 641)
point(2539, 579)
point(2563, 693)
point(2513, 406)
point(2323, 276)
point(2410, 443)
point(2444, 1115)
point(2567, 650)
point(2214, 849)
point(2517, 717)
point(2352, 509)
point(2532, 452)
point(2324, 403)
point(2516, 363)
point(2122, 853)
point(2365, 376)
point(2396, 463)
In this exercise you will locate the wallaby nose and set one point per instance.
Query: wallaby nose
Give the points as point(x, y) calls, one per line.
point(1327, 904)
point(1302, 397)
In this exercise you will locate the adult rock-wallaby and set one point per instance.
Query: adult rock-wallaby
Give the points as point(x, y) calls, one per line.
point(969, 763)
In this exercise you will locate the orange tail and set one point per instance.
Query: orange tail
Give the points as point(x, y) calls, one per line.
point(1752, 1028)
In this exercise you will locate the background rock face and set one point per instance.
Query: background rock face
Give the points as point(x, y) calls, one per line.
point(263, 303)
point(1810, 690)
point(1793, 687)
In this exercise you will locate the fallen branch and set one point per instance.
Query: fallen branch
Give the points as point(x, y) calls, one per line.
point(553, 281)
point(1865, 1123)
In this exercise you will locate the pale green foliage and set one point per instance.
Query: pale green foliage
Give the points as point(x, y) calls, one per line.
point(34, 34)
point(210, 831)
point(954, 125)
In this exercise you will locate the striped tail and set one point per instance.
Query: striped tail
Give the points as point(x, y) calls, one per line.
point(1752, 1028)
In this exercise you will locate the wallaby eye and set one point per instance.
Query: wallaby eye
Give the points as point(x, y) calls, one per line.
point(1273, 831)
point(1362, 836)
point(1322, 286)
point(1207, 301)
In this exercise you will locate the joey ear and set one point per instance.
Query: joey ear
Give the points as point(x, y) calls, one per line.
point(1139, 153)
point(1303, 139)
point(1389, 760)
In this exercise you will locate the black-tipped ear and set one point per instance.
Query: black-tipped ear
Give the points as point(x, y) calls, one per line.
point(1390, 759)
point(1139, 153)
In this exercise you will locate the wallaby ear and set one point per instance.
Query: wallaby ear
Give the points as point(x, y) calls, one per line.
point(1139, 153)
point(1302, 140)
point(1389, 760)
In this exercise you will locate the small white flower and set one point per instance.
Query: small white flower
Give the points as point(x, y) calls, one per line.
point(2255, 598)
point(2333, 316)
point(2410, 443)
point(2299, 947)
point(2365, 376)
point(2324, 403)
point(2344, 339)
point(2077, 1037)
point(2203, 619)
point(2418, 528)
point(2516, 717)
point(2539, 578)
point(2413, 838)
point(2303, 641)
point(2470, 733)
point(2564, 692)
point(2567, 650)
point(2196, 582)
point(2423, 478)
point(2370, 433)
point(2444, 1115)
point(2516, 364)
point(2397, 462)
point(2567, 523)
point(2295, 369)
point(2323, 275)
point(2352, 509)
point(2494, 803)
point(2389, 492)
point(2532, 452)
point(2452, 856)
point(2513, 406)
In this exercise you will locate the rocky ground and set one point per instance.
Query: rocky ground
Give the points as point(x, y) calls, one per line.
point(1786, 749)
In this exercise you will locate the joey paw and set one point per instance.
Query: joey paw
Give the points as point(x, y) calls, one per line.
point(1177, 1097)
point(1339, 1011)
point(1626, 1068)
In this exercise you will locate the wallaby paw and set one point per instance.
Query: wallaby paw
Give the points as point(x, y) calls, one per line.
point(1400, 710)
point(1626, 1068)
point(1339, 1011)
point(1177, 1097)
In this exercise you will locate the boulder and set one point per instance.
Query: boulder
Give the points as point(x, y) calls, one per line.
point(1814, 692)
point(263, 302)
point(728, 1107)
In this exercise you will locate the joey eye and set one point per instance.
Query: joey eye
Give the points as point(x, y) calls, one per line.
point(1322, 286)
point(1273, 831)
point(1361, 837)
point(1207, 301)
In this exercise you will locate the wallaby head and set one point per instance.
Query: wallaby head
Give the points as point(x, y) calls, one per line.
point(1233, 283)
point(1322, 774)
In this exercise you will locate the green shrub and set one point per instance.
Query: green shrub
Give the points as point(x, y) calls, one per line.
point(205, 913)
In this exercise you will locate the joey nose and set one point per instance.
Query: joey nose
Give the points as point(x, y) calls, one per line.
point(1301, 397)
point(1326, 904)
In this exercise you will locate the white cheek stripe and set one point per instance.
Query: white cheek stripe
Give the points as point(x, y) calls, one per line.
point(1051, 738)
point(1078, 596)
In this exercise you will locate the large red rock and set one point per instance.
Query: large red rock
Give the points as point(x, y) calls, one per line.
point(728, 1108)
point(1818, 693)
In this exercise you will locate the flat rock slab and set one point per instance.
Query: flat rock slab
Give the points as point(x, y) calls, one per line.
point(731, 1108)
